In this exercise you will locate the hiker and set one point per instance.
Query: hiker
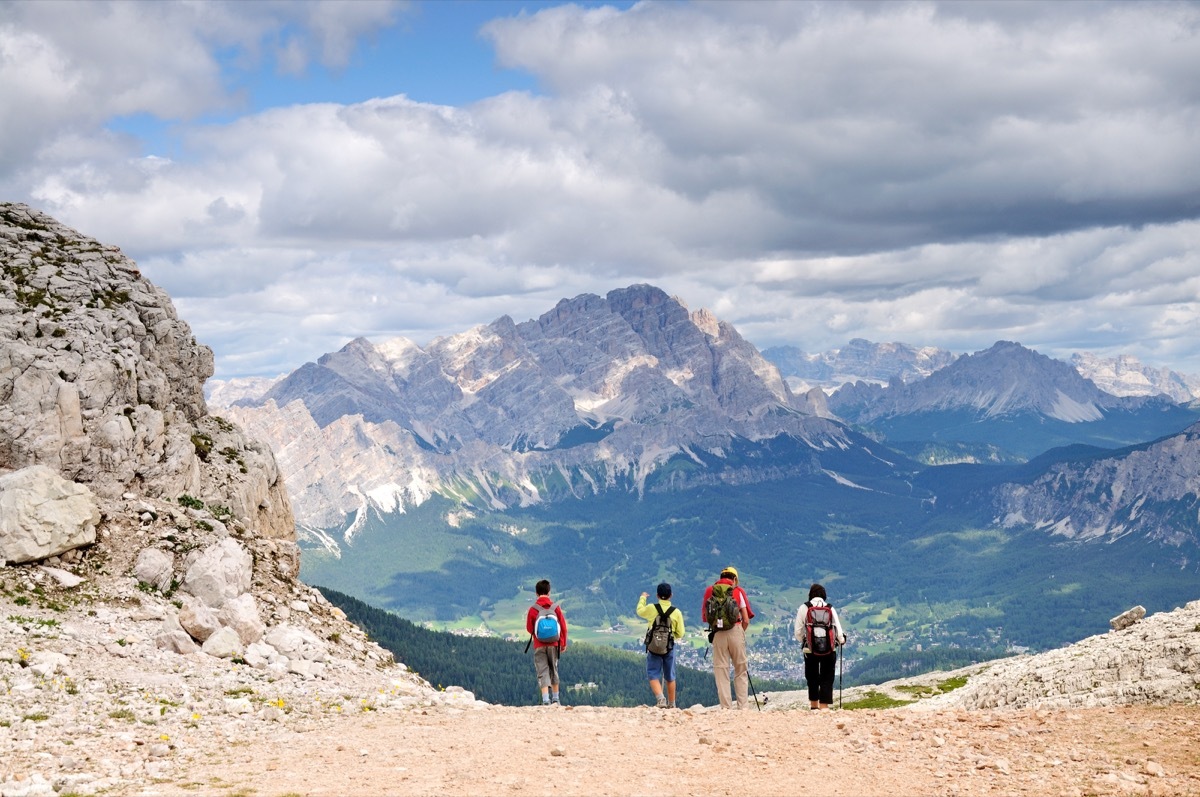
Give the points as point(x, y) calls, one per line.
point(664, 627)
point(726, 610)
point(548, 631)
point(819, 630)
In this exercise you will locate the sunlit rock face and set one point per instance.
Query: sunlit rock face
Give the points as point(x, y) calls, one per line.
point(595, 394)
point(102, 382)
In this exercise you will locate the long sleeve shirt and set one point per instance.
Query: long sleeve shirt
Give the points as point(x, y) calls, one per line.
point(801, 632)
point(647, 612)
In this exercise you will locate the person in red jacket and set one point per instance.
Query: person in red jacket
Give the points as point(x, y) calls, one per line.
point(728, 637)
point(546, 650)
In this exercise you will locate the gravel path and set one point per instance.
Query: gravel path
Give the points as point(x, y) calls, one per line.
point(591, 751)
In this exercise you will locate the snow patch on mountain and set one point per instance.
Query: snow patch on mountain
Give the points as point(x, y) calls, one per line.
point(388, 497)
point(842, 480)
point(1068, 409)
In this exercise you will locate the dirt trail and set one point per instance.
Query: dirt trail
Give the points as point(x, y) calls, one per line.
point(591, 751)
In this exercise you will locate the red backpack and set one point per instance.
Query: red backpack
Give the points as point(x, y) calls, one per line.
point(819, 631)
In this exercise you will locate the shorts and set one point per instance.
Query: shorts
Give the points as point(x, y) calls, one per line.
point(661, 668)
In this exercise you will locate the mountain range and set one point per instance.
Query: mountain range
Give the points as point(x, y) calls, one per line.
point(615, 441)
point(864, 361)
point(1009, 403)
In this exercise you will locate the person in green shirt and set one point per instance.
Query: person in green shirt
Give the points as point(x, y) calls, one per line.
point(660, 666)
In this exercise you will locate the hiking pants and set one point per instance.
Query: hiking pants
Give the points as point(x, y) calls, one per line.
point(729, 648)
point(545, 661)
point(819, 672)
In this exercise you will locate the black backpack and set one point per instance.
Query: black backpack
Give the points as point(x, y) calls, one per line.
point(659, 639)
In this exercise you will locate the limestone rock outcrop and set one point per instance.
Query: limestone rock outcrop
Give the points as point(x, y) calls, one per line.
point(103, 383)
point(1127, 618)
point(1154, 660)
point(218, 573)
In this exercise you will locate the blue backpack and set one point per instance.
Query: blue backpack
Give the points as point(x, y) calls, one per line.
point(546, 628)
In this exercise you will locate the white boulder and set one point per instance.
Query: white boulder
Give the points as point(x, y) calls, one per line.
point(241, 614)
point(42, 515)
point(155, 567)
point(223, 644)
point(65, 578)
point(222, 571)
point(198, 619)
point(1127, 618)
point(295, 643)
point(176, 642)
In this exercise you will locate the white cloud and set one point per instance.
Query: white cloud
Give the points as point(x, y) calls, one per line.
point(945, 174)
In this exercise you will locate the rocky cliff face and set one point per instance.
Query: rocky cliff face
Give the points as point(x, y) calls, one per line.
point(102, 382)
point(1125, 375)
point(598, 393)
point(1152, 489)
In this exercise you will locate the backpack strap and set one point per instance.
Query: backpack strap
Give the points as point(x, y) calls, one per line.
point(554, 606)
point(535, 617)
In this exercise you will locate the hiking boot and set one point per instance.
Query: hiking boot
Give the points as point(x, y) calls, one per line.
point(671, 704)
point(661, 702)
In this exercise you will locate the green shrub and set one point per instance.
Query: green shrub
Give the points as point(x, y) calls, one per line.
point(203, 445)
point(188, 502)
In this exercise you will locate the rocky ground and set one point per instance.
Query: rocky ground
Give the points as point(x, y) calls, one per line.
point(591, 751)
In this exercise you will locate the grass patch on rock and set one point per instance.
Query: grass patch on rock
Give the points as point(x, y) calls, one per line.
point(875, 699)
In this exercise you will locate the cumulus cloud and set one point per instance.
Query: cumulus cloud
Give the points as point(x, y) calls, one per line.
point(71, 67)
point(939, 173)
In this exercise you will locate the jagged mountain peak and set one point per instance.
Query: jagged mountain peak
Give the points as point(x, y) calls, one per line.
point(858, 360)
point(599, 391)
point(1126, 375)
point(1005, 379)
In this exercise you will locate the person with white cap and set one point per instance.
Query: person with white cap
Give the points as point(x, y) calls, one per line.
point(727, 611)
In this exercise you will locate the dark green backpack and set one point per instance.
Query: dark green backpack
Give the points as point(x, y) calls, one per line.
point(722, 610)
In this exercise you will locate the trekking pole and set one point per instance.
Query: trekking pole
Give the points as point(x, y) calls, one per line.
point(750, 681)
point(841, 669)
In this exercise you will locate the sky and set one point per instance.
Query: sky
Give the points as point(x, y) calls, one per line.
point(298, 174)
